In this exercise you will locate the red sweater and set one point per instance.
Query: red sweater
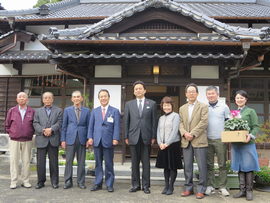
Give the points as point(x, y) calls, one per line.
point(18, 130)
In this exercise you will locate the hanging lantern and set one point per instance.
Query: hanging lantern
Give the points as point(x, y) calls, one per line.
point(47, 81)
point(38, 81)
point(42, 81)
point(66, 79)
point(52, 81)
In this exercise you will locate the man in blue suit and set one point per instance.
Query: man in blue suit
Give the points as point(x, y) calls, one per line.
point(74, 138)
point(103, 133)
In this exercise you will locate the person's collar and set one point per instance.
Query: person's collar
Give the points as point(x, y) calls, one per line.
point(242, 108)
point(166, 114)
point(80, 107)
point(106, 107)
point(20, 108)
point(213, 104)
point(141, 99)
point(193, 103)
point(49, 107)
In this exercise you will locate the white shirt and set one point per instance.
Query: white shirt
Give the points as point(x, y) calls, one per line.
point(106, 108)
point(138, 102)
point(22, 111)
point(190, 109)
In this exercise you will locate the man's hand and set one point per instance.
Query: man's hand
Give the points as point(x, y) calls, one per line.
point(63, 145)
point(126, 140)
point(188, 136)
point(47, 132)
point(115, 142)
point(90, 141)
point(248, 138)
point(153, 141)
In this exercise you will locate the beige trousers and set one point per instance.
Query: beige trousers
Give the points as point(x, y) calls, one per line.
point(16, 149)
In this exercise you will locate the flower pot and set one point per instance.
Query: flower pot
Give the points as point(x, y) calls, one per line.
point(92, 173)
point(263, 162)
point(261, 185)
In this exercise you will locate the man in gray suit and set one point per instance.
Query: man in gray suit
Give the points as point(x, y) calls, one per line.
point(47, 123)
point(140, 128)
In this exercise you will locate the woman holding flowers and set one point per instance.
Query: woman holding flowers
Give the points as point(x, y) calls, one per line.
point(244, 155)
point(169, 155)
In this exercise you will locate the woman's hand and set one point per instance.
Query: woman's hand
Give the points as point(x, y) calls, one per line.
point(248, 138)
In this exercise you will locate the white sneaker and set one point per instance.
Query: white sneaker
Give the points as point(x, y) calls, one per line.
point(26, 185)
point(224, 192)
point(13, 186)
point(209, 190)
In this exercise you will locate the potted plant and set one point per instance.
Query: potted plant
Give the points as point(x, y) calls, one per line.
point(235, 127)
point(232, 177)
point(261, 141)
point(62, 153)
point(91, 170)
point(262, 179)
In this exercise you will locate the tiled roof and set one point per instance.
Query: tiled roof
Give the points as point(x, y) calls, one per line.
point(232, 32)
point(145, 55)
point(28, 56)
point(75, 9)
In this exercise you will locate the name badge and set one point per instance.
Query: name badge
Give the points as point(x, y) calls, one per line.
point(110, 119)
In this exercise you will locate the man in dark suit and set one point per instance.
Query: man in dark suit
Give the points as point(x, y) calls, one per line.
point(193, 124)
point(104, 132)
point(47, 124)
point(140, 123)
point(74, 138)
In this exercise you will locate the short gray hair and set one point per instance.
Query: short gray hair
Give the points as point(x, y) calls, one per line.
point(76, 91)
point(212, 88)
point(46, 93)
point(22, 93)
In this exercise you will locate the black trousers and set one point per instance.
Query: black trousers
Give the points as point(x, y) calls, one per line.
point(53, 163)
point(140, 152)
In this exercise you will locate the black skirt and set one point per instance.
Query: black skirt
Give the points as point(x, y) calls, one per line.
point(170, 158)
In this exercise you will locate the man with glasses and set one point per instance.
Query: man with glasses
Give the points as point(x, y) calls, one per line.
point(193, 124)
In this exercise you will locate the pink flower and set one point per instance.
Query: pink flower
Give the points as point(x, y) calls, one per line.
point(147, 102)
point(234, 114)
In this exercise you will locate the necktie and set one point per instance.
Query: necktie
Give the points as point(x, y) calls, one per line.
point(103, 113)
point(140, 108)
point(78, 114)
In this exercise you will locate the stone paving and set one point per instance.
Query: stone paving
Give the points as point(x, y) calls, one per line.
point(121, 194)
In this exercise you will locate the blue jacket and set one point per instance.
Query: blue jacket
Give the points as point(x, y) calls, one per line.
point(70, 126)
point(105, 130)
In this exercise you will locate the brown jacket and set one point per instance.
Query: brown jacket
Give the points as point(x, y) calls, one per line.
point(197, 125)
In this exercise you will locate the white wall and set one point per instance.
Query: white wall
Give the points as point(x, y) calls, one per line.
point(205, 72)
point(8, 70)
point(38, 69)
point(108, 71)
point(115, 95)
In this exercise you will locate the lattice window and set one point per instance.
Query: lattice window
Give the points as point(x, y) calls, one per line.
point(157, 25)
point(172, 70)
point(139, 70)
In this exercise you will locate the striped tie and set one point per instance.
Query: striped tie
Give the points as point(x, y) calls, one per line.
point(140, 108)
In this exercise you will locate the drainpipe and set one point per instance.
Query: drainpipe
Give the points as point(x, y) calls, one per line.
point(76, 76)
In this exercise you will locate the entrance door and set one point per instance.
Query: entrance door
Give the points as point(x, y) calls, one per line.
point(156, 93)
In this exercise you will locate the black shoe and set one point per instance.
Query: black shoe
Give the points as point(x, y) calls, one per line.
point(96, 187)
point(110, 189)
point(146, 190)
point(169, 192)
point(82, 186)
point(40, 185)
point(164, 191)
point(135, 189)
point(68, 184)
point(55, 186)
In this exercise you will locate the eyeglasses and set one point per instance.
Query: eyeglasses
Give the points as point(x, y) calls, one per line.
point(191, 92)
